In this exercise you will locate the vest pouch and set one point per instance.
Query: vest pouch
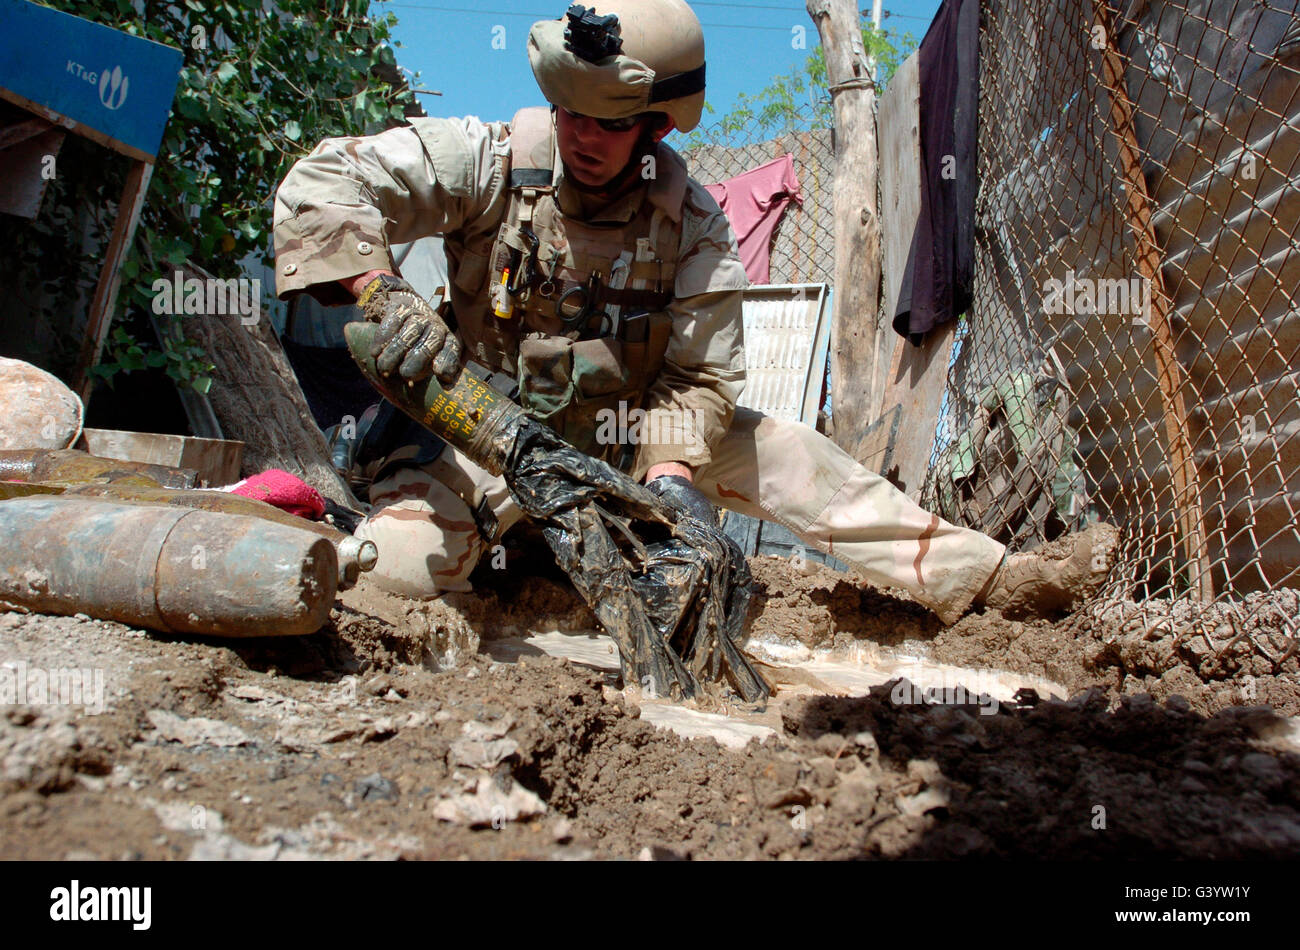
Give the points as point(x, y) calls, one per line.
point(634, 357)
point(546, 378)
point(645, 343)
point(598, 368)
point(600, 384)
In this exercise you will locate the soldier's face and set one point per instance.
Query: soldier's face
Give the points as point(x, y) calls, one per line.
point(591, 154)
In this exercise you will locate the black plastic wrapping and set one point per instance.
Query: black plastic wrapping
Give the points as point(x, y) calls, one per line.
point(671, 590)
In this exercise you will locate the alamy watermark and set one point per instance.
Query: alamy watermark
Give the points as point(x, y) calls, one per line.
point(23, 685)
point(668, 426)
point(76, 903)
point(950, 691)
point(1102, 296)
point(210, 296)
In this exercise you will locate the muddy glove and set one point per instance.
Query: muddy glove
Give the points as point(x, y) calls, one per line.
point(671, 590)
point(412, 338)
point(680, 495)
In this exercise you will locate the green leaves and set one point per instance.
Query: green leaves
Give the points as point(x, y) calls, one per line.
point(249, 102)
point(784, 104)
point(261, 90)
point(184, 360)
point(188, 106)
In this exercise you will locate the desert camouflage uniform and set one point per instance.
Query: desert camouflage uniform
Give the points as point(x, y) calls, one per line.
point(339, 208)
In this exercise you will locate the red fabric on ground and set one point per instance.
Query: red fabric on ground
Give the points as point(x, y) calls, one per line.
point(285, 491)
point(753, 203)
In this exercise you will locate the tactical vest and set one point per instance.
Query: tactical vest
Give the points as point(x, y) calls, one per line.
point(577, 311)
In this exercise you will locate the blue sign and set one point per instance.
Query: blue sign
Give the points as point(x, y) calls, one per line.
point(117, 84)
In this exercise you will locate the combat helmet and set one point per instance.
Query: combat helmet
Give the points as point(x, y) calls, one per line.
point(621, 58)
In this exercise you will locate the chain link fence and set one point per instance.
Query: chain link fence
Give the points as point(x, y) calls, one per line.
point(1130, 355)
point(803, 249)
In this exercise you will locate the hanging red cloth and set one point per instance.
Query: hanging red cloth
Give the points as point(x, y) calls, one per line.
point(754, 202)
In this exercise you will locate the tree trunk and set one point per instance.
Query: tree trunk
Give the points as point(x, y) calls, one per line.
point(854, 402)
point(258, 401)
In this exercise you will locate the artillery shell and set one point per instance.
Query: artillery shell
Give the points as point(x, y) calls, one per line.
point(172, 569)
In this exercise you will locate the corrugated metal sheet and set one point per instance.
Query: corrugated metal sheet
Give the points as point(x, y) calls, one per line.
point(787, 334)
point(1233, 268)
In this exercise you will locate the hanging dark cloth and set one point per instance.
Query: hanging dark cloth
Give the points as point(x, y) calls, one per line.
point(937, 282)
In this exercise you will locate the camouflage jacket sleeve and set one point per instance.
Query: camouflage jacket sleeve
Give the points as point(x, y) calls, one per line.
point(339, 207)
point(690, 405)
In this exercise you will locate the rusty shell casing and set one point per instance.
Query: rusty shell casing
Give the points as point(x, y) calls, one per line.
point(23, 489)
point(177, 570)
point(471, 415)
point(354, 554)
point(74, 467)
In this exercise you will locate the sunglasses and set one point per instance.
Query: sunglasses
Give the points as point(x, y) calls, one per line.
point(626, 124)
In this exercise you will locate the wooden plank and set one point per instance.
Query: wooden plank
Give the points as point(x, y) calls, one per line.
point(72, 125)
point(857, 224)
point(912, 400)
point(22, 131)
point(914, 382)
point(899, 122)
point(22, 184)
point(901, 438)
point(110, 275)
point(1169, 372)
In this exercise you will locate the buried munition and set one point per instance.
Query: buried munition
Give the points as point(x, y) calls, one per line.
point(177, 570)
point(72, 466)
point(71, 472)
point(355, 555)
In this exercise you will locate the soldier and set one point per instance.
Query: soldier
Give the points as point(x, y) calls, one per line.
point(596, 281)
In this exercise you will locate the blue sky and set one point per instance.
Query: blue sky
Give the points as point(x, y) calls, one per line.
point(451, 44)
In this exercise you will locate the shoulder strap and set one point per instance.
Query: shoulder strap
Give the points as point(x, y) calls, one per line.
point(668, 189)
point(532, 149)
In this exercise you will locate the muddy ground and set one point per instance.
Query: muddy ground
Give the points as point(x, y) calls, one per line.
point(430, 730)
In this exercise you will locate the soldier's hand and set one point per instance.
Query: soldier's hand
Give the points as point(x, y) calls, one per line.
point(679, 494)
point(412, 339)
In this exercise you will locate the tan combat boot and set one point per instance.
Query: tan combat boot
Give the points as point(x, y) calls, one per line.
point(1056, 579)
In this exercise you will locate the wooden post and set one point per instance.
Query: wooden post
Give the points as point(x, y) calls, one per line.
point(1169, 372)
point(256, 398)
point(857, 225)
point(110, 277)
point(910, 380)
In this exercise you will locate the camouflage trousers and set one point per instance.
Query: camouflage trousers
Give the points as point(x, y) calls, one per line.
point(765, 467)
